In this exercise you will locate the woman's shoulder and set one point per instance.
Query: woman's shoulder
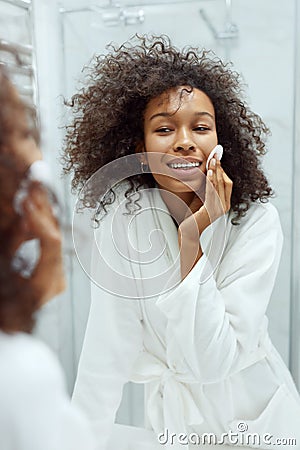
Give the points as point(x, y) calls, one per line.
point(33, 391)
point(261, 222)
point(259, 215)
point(23, 357)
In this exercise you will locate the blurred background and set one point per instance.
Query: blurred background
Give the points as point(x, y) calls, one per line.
point(56, 39)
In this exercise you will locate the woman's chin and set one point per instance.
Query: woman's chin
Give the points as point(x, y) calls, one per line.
point(178, 187)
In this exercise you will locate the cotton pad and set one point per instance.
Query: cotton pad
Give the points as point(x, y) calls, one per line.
point(28, 253)
point(38, 171)
point(218, 150)
point(26, 258)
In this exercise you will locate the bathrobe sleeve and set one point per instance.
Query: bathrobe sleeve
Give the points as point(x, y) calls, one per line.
point(113, 337)
point(217, 325)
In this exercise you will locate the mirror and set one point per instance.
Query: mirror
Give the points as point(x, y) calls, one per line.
point(237, 32)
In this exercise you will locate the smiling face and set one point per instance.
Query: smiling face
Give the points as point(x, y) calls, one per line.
point(179, 134)
point(18, 151)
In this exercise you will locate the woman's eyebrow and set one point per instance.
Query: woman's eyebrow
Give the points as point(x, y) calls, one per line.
point(165, 114)
point(204, 113)
point(161, 114)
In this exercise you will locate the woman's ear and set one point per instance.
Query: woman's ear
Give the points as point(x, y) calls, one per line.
point(140, 147)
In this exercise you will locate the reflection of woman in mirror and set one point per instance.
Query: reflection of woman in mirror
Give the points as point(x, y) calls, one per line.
point(35, 410)
point(202, 348)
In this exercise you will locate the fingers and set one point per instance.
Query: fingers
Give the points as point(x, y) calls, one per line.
point(228, 190)
point(39, 222)
point(221, 183)
point(220, 187)
point(38, 214)
point(48, 276)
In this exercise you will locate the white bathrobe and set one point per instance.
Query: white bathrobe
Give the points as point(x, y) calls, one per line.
point(35, 410)
point(201, 346)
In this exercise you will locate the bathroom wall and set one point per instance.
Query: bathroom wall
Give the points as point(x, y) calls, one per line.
point(295, 228)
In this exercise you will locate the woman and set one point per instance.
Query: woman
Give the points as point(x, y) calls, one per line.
point(196, 333)
point(35, 410)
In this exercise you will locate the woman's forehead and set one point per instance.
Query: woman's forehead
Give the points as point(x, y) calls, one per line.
point(175, 98)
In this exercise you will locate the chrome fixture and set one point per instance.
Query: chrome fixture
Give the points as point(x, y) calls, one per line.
point(114, 15)
point(230, 31)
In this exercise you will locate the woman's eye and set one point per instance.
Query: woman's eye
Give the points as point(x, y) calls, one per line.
point(201, 128)
point(163, 130)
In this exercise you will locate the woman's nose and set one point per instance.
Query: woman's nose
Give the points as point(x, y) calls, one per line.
point(183, 143)
point(184, 147)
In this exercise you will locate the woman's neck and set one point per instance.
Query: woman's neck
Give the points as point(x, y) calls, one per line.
point(181, 204)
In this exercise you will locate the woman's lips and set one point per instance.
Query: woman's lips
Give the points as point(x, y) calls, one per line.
point(184, 165)
point(184, 169)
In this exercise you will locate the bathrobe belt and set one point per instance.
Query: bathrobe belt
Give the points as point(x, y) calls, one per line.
point(170, 402)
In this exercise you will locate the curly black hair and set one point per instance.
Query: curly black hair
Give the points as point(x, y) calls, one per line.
point(18, 299)
point(108, 114)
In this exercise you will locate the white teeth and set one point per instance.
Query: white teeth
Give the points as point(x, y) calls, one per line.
point(184, 165)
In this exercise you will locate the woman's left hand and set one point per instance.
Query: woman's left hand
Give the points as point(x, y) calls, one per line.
point(218, 190)
point(217, 203)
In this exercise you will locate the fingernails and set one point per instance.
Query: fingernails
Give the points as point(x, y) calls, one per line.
point(29, 205)
point(213, 162)
point(209, 173)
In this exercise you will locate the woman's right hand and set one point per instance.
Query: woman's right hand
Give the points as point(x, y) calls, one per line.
point(40, 223)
